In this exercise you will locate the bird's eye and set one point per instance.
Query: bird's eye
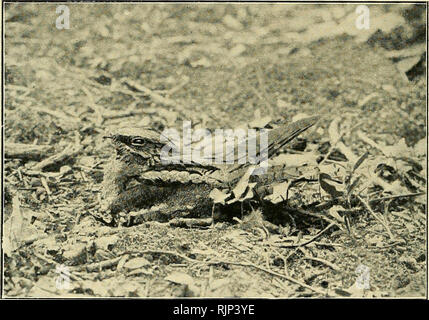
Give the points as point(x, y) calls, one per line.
point(137, 142)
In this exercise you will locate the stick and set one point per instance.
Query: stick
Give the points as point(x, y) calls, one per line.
point(153, 95)
point(97, 265)
point(371, 142)
point(178, 87)
point(58, 114)
point(26, 151)
point(398, 196)
point(248, 264)
point(245, 264)
point(311, 240)
point(329, 264)
point(164, 252)
point(69, 152)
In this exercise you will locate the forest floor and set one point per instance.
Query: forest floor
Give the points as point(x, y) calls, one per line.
point(219, 66)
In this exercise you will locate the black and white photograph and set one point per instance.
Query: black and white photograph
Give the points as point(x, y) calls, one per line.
point(214, 150)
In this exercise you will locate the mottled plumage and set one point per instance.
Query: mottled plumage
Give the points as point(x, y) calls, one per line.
point(138, 156)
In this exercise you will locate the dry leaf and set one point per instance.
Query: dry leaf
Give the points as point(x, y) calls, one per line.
point(334, 131)
point(279, 193)
point(18, 229)
point(218, 196)
point(332, 187)
point(243, 184)
point(13, 228)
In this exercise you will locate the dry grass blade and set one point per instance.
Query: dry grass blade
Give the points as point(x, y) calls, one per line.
point(377, 217)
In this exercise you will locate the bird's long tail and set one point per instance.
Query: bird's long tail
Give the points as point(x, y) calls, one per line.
point(277, 138)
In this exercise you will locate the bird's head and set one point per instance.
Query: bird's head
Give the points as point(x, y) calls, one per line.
point(140, 144)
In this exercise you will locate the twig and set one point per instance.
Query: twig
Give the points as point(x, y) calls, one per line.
point(98, 265)
point(329, 264)
point(164, 252)
point(398, 196)
point(310, 240)
point(67, 118)
point(280, 256)
point(385, 247)
point(98, 110)
point(26, 151)
point(153, 95)
point(314, 215)
point(69, 152)
point(327, 244)
point(190, 223)
point(371, 142)
point(121, 114)
point(178, 87)
point(376, 217)
point(246, 264)
point(45, 185)
point(249, 264)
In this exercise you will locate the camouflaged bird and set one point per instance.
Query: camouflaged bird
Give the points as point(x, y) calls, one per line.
point(138, 159)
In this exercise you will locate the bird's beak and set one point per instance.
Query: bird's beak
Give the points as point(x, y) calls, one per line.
point(108, 137)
